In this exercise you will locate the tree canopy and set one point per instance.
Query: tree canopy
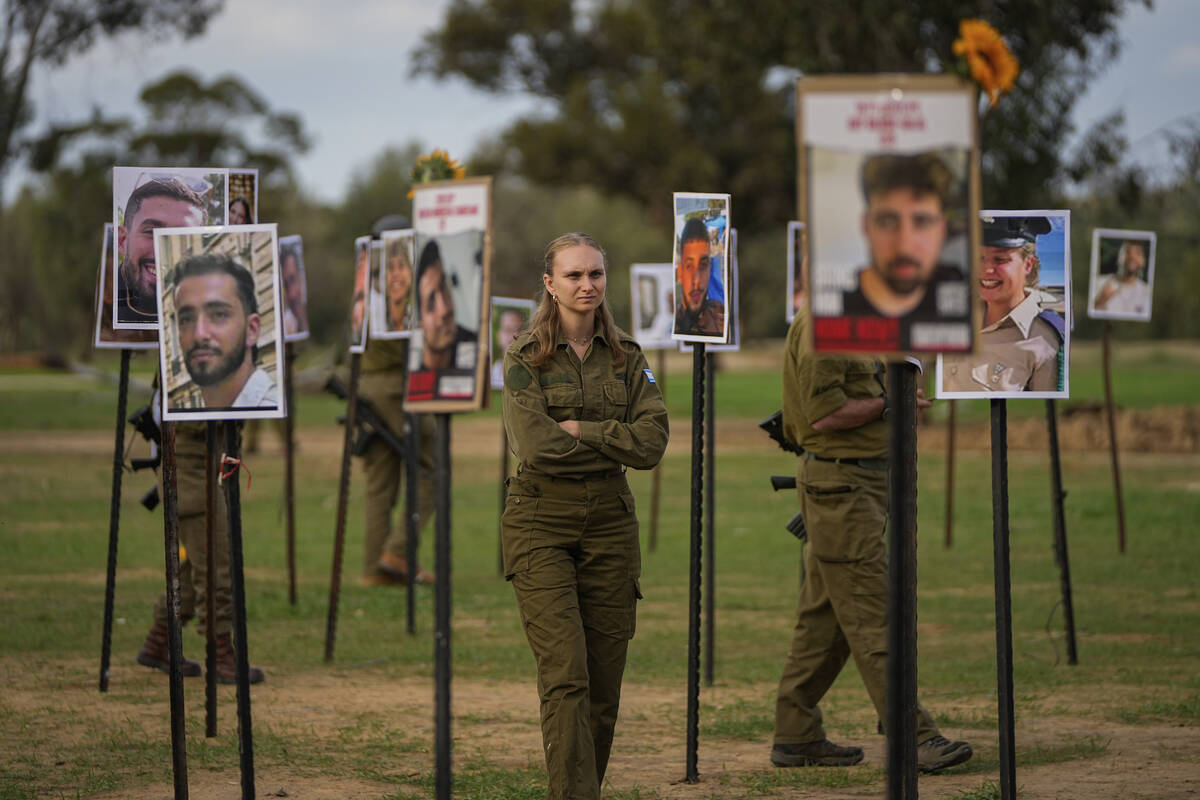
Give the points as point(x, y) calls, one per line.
point(647, 97)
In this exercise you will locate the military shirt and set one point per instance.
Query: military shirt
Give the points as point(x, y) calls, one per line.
point(1020, 352)
point(620, 410)
point(708, 321)
point(815, 385)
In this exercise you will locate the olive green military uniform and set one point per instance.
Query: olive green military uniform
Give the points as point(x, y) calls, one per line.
point(1018, 353)
point(570, 537)
point(189, 481)
point(381, 381)
point(842, 609)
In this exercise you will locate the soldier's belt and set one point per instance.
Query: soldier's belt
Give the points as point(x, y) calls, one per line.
point(591, 476)
point(865, 463)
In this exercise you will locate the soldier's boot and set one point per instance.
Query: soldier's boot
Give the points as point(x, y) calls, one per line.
point(156, 653)
point(397, 567)
point(227, 665)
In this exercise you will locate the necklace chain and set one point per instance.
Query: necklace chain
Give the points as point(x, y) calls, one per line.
point(584, 340)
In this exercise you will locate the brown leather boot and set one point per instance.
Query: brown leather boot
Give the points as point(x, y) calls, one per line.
point(157, 654)
point(227, 665)
point(396, 567)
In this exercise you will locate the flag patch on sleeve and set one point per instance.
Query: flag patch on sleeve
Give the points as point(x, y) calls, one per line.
point(649, 375)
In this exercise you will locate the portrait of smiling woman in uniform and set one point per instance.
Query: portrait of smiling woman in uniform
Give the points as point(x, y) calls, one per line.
point(1024, 286)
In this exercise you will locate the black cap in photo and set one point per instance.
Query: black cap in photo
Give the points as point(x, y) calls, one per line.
point(1013, 231)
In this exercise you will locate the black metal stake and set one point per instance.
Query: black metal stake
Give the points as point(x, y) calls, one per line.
point(441, 635)
point(412, 514)
point(237, 579)
point(1112, 436)
point(289, 474)
point(950, 474)
point(710, 579)
point(902, 572)
point(1057, 496)
point(1004, 666)
point(114, 521)
point(210, 604)
point(339, 536)
point(174, 626)
point(693, 668)
point(656, 473)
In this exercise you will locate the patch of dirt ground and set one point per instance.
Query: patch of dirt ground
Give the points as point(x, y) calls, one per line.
point(496, 723)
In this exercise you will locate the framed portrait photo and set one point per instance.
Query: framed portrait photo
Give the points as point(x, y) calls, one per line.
point(653, 307)
point(795, 269)
point(447, 354)
point(293, 285)
point(145, 199)
point(889, 194)
point(219, 329)
point(1121, 282)
point(1024, 291)
point(394, 279)
point(243, 197)
point(510, 318)
point(360, 296)
point(701, 258)
point(105, 336)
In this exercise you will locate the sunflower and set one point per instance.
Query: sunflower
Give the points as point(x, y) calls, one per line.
point(988, 58)
point(437, 166)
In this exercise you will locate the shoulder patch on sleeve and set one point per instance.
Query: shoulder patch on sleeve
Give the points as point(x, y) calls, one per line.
point(649, 375)
point(517, 377)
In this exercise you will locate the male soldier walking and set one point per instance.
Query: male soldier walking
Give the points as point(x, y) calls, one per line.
point(835, 408)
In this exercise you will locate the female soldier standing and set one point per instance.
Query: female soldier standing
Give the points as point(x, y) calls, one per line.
point(580, 405)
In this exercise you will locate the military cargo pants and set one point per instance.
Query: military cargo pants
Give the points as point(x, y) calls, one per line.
point(384, 471)
point(843, 598)
point(189, 482)
point(571, 551)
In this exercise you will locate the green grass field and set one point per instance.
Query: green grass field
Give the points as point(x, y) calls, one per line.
point(1137, 614)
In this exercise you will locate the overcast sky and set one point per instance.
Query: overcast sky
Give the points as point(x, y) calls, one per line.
point(344, 67)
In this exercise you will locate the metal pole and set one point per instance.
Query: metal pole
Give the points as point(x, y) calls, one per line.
point(441, 636)
point(1003, 580)
point(656, 474)
point(693, 668)
point(174, 632)
point(950, 474)
point(210, 604)
point(902, 584)
point(1112, 436)
point(289, 474)
point(114, 521)
point(412, 514)
point(709, 517)
point(503, 498)
point(339, 536)
point(233, 500)
point(1057, 496)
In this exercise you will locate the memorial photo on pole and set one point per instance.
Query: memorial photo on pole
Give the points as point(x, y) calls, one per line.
point(106, 337)
point(795, 269)
point(701, 258)
point(510, 316)
point(358, 300)
point(221, 341)
point(145, 199)
point(733, 344)
point(889, 192)
point(294, 286)
point(1024, 287)
point(1122, 274)
point(447, 355)
point(243, 197)
point(653, 307)
point(395, 281)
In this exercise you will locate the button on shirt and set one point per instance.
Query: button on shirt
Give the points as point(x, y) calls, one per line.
point(620, 410)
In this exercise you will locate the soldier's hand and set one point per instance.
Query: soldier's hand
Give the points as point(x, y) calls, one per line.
point(922, 401)
point(571, 426)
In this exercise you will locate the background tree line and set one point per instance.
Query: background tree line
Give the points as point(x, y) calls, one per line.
point(643, 98)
